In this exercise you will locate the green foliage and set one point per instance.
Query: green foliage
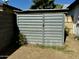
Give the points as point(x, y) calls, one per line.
point(43, 4)
point(22, 39)
point(58, 6)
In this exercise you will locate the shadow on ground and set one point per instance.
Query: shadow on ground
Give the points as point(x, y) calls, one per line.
point(65, 35)
point(13, 46)
point(8, 51)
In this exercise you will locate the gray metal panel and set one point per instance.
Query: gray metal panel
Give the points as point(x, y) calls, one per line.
point(31, 27)
point(54, 29)
point(47, 29)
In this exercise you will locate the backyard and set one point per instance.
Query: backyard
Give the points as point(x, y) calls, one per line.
point(69, 51)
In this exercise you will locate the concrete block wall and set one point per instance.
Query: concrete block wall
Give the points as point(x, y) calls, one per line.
point(69, 24)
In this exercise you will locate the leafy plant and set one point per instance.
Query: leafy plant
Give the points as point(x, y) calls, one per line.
point(43, 4)
point(22, 39)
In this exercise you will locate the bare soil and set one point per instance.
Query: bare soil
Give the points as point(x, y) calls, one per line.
point(69, 51)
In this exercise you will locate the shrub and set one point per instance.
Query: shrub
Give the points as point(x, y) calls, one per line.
point(22, 39)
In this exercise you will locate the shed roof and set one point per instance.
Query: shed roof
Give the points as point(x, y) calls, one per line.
point(74, 4)
point(11, 7)
point(43, 11)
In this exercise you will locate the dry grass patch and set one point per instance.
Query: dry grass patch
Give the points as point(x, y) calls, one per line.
point(69, 51)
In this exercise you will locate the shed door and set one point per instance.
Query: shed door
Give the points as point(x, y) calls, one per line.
point(45, 29)
point(54, 29)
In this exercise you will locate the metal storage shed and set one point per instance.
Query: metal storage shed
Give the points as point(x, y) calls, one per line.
point(42, 26)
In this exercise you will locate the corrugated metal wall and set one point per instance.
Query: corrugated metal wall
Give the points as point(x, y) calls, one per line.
point(47, 29)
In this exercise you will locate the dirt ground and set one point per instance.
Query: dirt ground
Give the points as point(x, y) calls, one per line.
point(69, 51)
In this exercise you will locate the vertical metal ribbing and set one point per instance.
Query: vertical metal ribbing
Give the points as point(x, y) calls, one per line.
point(43, 30)
point(63, 28)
